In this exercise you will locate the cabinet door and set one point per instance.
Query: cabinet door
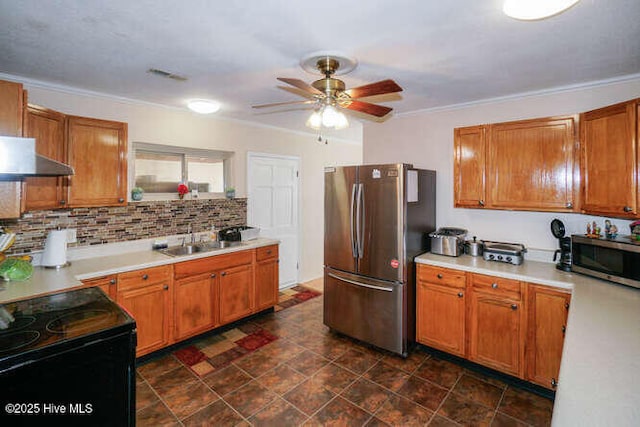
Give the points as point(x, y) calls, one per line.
point(266, 283)
point(496, 336)
point(547, 322)
point(106, 283)
point(195, 304)
point(11, 113)
point(469, 167)
point(150, 307)
point(97, 151)
point(440, 317)
point(530, 165)
point(47, 127)
point(609, 162)
point(236, 293)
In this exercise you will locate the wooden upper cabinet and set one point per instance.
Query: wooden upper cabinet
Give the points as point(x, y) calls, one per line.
point(531, 165)
point(469, 167)
point(11, 116)
point(525, 165)
point(97, 151)
point(609, 160)
point(47, 127)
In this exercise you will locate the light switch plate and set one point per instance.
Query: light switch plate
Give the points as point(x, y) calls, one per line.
point(72, 235)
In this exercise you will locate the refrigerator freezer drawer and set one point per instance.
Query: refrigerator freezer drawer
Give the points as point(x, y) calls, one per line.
point(366, 309)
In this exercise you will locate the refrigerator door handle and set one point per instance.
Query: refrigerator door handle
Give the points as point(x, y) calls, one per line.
point(351, 219)
point(360, 220)
point(364, 285)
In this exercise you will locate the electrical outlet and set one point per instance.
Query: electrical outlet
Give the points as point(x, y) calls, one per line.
point(72, 235)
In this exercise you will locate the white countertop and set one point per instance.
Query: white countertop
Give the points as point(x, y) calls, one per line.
point(599, 382)
point(45, 281)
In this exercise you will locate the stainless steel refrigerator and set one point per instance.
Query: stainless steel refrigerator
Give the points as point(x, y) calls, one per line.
point(376, 220)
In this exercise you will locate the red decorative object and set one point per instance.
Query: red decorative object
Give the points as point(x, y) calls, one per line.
point(182, 190)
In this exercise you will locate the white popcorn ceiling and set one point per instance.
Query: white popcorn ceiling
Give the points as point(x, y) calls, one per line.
point(441, 52)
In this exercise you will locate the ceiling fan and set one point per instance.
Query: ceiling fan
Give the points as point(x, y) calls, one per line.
point(330, 94)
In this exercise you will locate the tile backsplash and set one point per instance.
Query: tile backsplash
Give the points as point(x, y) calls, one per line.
point(138, 220)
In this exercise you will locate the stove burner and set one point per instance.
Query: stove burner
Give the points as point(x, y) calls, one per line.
point(80, 321)
point(16, 340)
point(20, 322)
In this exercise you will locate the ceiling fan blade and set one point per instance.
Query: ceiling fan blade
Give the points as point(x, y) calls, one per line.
point(368, 108)
point(377, 88)
point(301, 85)
point(277, 104)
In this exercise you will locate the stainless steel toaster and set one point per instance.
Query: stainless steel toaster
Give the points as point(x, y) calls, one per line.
point(448, 241)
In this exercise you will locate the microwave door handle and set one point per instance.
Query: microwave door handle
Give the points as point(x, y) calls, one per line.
point(360, 220)
point(351, 220)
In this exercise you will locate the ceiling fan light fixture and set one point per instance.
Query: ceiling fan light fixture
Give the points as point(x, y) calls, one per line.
point(203, 106)
point(531, 10)
point(341, 121)
point(329, 116)
point(315, 120)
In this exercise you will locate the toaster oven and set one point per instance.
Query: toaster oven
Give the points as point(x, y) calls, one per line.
point(448, 241)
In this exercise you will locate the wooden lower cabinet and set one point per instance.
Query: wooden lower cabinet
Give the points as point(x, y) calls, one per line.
point(507, 325)
point(106, 283)
point(548, 309)
point(146, 295)
point(441, 310)
point(195, 305)
point(496, 337)
point(266, 277)
point(236, 293)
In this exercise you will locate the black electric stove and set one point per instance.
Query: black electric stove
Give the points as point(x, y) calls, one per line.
point(67, 358)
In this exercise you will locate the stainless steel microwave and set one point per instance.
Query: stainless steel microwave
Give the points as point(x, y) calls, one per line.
point(617, 260)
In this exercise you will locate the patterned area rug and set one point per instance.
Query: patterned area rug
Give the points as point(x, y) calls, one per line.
point(217, 351)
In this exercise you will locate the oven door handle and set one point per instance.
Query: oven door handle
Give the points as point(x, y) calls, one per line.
point(364, 285)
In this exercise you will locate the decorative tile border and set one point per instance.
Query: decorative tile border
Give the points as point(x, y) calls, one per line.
point(139, 220)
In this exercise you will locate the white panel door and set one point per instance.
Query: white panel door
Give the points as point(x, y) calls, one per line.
point(272, 205)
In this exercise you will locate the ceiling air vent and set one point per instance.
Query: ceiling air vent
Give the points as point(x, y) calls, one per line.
point(167, 74)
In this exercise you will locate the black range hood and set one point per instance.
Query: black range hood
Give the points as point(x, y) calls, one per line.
point(18, 160)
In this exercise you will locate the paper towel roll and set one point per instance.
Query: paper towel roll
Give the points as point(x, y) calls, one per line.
point(55, 249)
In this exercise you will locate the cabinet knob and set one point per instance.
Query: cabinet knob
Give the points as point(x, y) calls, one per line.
point(554, 383)
point(269, 252)
point(166, 287)
point(566, 305)
point(569, 205)
point(627, 209)
point(224, 273)
point(564, 329)
point(514, 306)
point(494, 285)
point(63, 202)
point(278, 261)
point(460, 294)
point(120, 200)
point(480, 202)
point(145, 276)
point(439, 276)
point(213, 275)
point(112, 281)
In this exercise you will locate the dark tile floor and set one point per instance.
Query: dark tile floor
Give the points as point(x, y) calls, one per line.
point(312, 377)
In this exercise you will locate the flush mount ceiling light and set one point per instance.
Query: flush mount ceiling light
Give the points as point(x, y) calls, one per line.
point(203, 106)
point(530, 10)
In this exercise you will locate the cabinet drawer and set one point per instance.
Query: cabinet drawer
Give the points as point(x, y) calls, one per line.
point(144, 277)
point(212, 263)
point(496, 285)
point(441, 276)
point(267, 252)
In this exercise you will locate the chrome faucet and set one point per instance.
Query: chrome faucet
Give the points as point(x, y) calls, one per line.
point(189, 232)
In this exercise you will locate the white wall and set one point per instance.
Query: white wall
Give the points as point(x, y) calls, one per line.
point(426, 140)
point(154, 124)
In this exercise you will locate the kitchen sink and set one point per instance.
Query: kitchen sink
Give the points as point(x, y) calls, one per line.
point(199, 247)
